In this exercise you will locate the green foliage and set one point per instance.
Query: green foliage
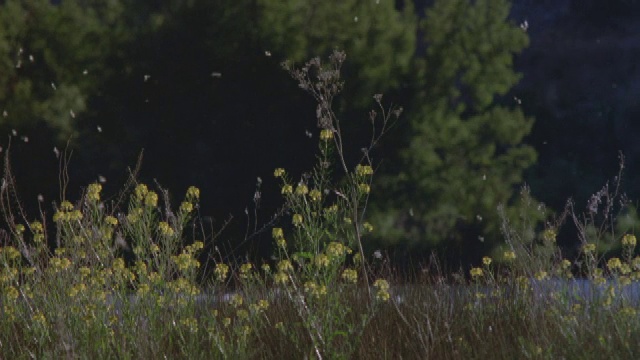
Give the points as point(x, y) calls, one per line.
point(53, 58)
point(464, 154)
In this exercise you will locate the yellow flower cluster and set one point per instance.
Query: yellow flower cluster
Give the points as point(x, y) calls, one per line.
point(589, 248)
point(326, 134)
point(66, 213)
point(382, 289)
point(236, 300)
point(193, 194)
point(10, 252)
point(278, 236)
point(279, 172)
point(509, 255)
point(350, 276)
point(629, 240)
point(549, 235)
point(321, 260)
point(302, 189)
point(185, 262)
point(315, 195)
point(614, 264)
point(336, 250)
point(165, 229)
point(221, 271)
point(364, 188)
point(245, 270)
point(486, 261)
point(476, 272)
point(363, 170)
point(297, 219)
point(93, 192)
point(287, 189)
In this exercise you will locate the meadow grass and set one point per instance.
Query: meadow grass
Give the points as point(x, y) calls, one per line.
point(131, 278)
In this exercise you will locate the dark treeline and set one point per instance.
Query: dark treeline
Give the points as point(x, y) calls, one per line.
point(489, 104)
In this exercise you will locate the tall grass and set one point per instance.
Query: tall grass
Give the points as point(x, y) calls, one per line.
point(123, 278)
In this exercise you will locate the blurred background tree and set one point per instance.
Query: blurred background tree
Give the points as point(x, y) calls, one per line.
point(464, 153)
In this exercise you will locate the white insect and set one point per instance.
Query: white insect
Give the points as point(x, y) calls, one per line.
point(99, 128)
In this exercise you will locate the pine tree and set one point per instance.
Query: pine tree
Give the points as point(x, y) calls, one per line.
point(464, 153)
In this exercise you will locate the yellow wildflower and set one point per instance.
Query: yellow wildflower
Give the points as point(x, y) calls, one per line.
point(193, 193)
point(486, 261)
point(326, 134)
point(279, 172)
point(362, 170)
point(509, 255)
point(302, 189)
point(287, 189)
point(165, 228)
point(315, 195)
point(151, 199)
point(364, 188)
point(297, 219)
point(476, 272)
point(221, 271)
point(629, 240)
point(350, 275)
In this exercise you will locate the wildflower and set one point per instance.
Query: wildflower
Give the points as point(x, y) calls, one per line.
point(285, 266)
point(629, 240)
point(186, 207)
point(486, 261)
point(66, 206)
point(362, 170)
point(193, 193)
point(382, 287)
point(281, 278)
point(549, 235)
point(350, 275)
point(565, 264)
point(93, 192)
point(315, 195)
point(279, 326)
point(151, 199)
point(326, 134)
point(368, 227)
point(245, 270)
point(10, 252)
point(266, 268)
point(589, 248)
point(509, 255)
point(336, 250)
point(111, 220)
point(614, 263)
point(297, 219)
point(155, 248)
point(287, 189)
point(279, 172)
point(282, 243)
point(140, 192)
point(263, 304)
point(321, 260)
point(165, 228)
point(302, 189)
point(277, 233)
point(364, 188)
point(221, 271)
point(36, 227)
point(476, 272)
point(19, 228)
point(236, 300)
